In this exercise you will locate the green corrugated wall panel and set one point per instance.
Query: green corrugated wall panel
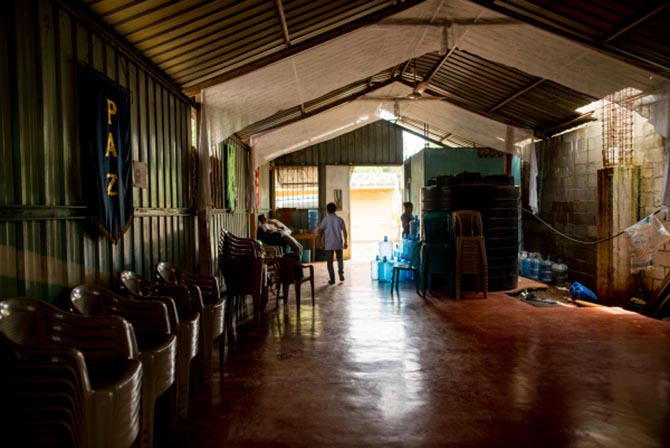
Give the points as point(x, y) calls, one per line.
point(379, 143)
point(41, 47)
point(7, 165)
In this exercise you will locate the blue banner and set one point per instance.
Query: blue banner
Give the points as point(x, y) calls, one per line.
point(106, 153)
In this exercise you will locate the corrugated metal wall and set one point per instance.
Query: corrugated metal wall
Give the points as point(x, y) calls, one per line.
point(237, 220)
point(43, 246)
point(379, 143)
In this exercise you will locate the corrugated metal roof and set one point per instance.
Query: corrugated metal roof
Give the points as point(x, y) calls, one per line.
point(636, 31)
point(499, 68)
point(466, 80)
point(202, 42)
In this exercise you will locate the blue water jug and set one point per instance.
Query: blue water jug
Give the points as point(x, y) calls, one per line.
point(374, 268)
point(385, 248)
point(414, 226)
point(545, 270)
point(535, 267)
point(525, 266)
point(581, 292)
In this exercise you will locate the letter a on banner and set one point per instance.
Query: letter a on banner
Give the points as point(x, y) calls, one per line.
point(106, 153)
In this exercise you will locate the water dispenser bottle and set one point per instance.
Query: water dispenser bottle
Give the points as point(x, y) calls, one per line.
point(525, 266)
point(374, 268)
point(385, 248)
point(535, 267)
point(545, 270)
point(560, 273)
point(385, 270)
point(414, 226)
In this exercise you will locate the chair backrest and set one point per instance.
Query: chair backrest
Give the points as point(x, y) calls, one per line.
point(31, 322)
point(171, 274)
point(167, 272)
point(139, 288)
point(149, 318)
point(467, 223)
point(415, 260)
point(289, 268)
point(241, 263)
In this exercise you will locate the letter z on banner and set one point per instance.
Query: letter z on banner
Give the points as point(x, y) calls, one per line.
point(106, 153)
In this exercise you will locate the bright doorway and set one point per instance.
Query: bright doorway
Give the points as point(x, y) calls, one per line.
point(376, 206)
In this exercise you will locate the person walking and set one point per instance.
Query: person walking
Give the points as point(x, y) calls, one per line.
point(334, 238)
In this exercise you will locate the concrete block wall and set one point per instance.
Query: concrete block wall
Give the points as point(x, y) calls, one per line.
point(568, 167)
point(649, 148)
point(568, 199)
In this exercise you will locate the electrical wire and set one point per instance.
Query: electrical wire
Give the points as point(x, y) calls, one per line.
point(574, 240)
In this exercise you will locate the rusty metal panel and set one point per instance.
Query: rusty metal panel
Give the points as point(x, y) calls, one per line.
point(379, 143)
point(44, 242)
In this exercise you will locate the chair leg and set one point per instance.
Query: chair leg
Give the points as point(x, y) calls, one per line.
point(311, 284)
point(285, 292)
point(297, 294)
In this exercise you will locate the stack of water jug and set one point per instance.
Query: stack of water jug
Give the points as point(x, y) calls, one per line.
point(381, 268)
point(531, 265)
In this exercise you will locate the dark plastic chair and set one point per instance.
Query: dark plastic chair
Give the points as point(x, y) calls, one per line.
point(287, 274)
point(413, 266)
point(67, 379)
point(158, 347)
point(470, 250)
point(241, 263)
point(212, 314)
point(185, 322)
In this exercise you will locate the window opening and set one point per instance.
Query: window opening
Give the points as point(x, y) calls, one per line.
point(297, 187)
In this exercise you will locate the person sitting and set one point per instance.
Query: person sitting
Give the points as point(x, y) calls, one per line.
point(269, 231)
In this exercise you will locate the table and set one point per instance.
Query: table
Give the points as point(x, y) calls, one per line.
point(307, 238)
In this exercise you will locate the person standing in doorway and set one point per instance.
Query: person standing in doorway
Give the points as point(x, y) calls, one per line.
point(333, 233)
point(406, 217)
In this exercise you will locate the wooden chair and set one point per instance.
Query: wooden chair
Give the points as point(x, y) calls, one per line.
point(470, 249)
point(185, 322)
point(288, 271)
point(413, 266)
point(156, 343)
point(207, 286)
point(68, 380)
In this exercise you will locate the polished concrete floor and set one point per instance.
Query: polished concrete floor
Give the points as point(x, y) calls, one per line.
point(363, 368)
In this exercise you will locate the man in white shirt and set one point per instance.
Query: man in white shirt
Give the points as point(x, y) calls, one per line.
point(333, 234)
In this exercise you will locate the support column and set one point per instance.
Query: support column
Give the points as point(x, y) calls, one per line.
point(618, 189)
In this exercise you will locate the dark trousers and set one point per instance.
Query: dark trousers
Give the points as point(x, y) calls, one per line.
point(340, 263)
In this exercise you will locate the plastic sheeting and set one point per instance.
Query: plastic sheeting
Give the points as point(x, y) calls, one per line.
point(242, 101)
point(348, 117)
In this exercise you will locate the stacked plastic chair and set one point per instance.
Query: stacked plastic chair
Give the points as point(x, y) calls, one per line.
point(470, 249)
point(68, 380)
point(437, 253)
point(157, 346)
point(212, 313)
point(241, 263)
point(184, 316)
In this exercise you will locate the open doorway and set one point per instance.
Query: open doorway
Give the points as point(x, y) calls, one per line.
point(376, 206)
